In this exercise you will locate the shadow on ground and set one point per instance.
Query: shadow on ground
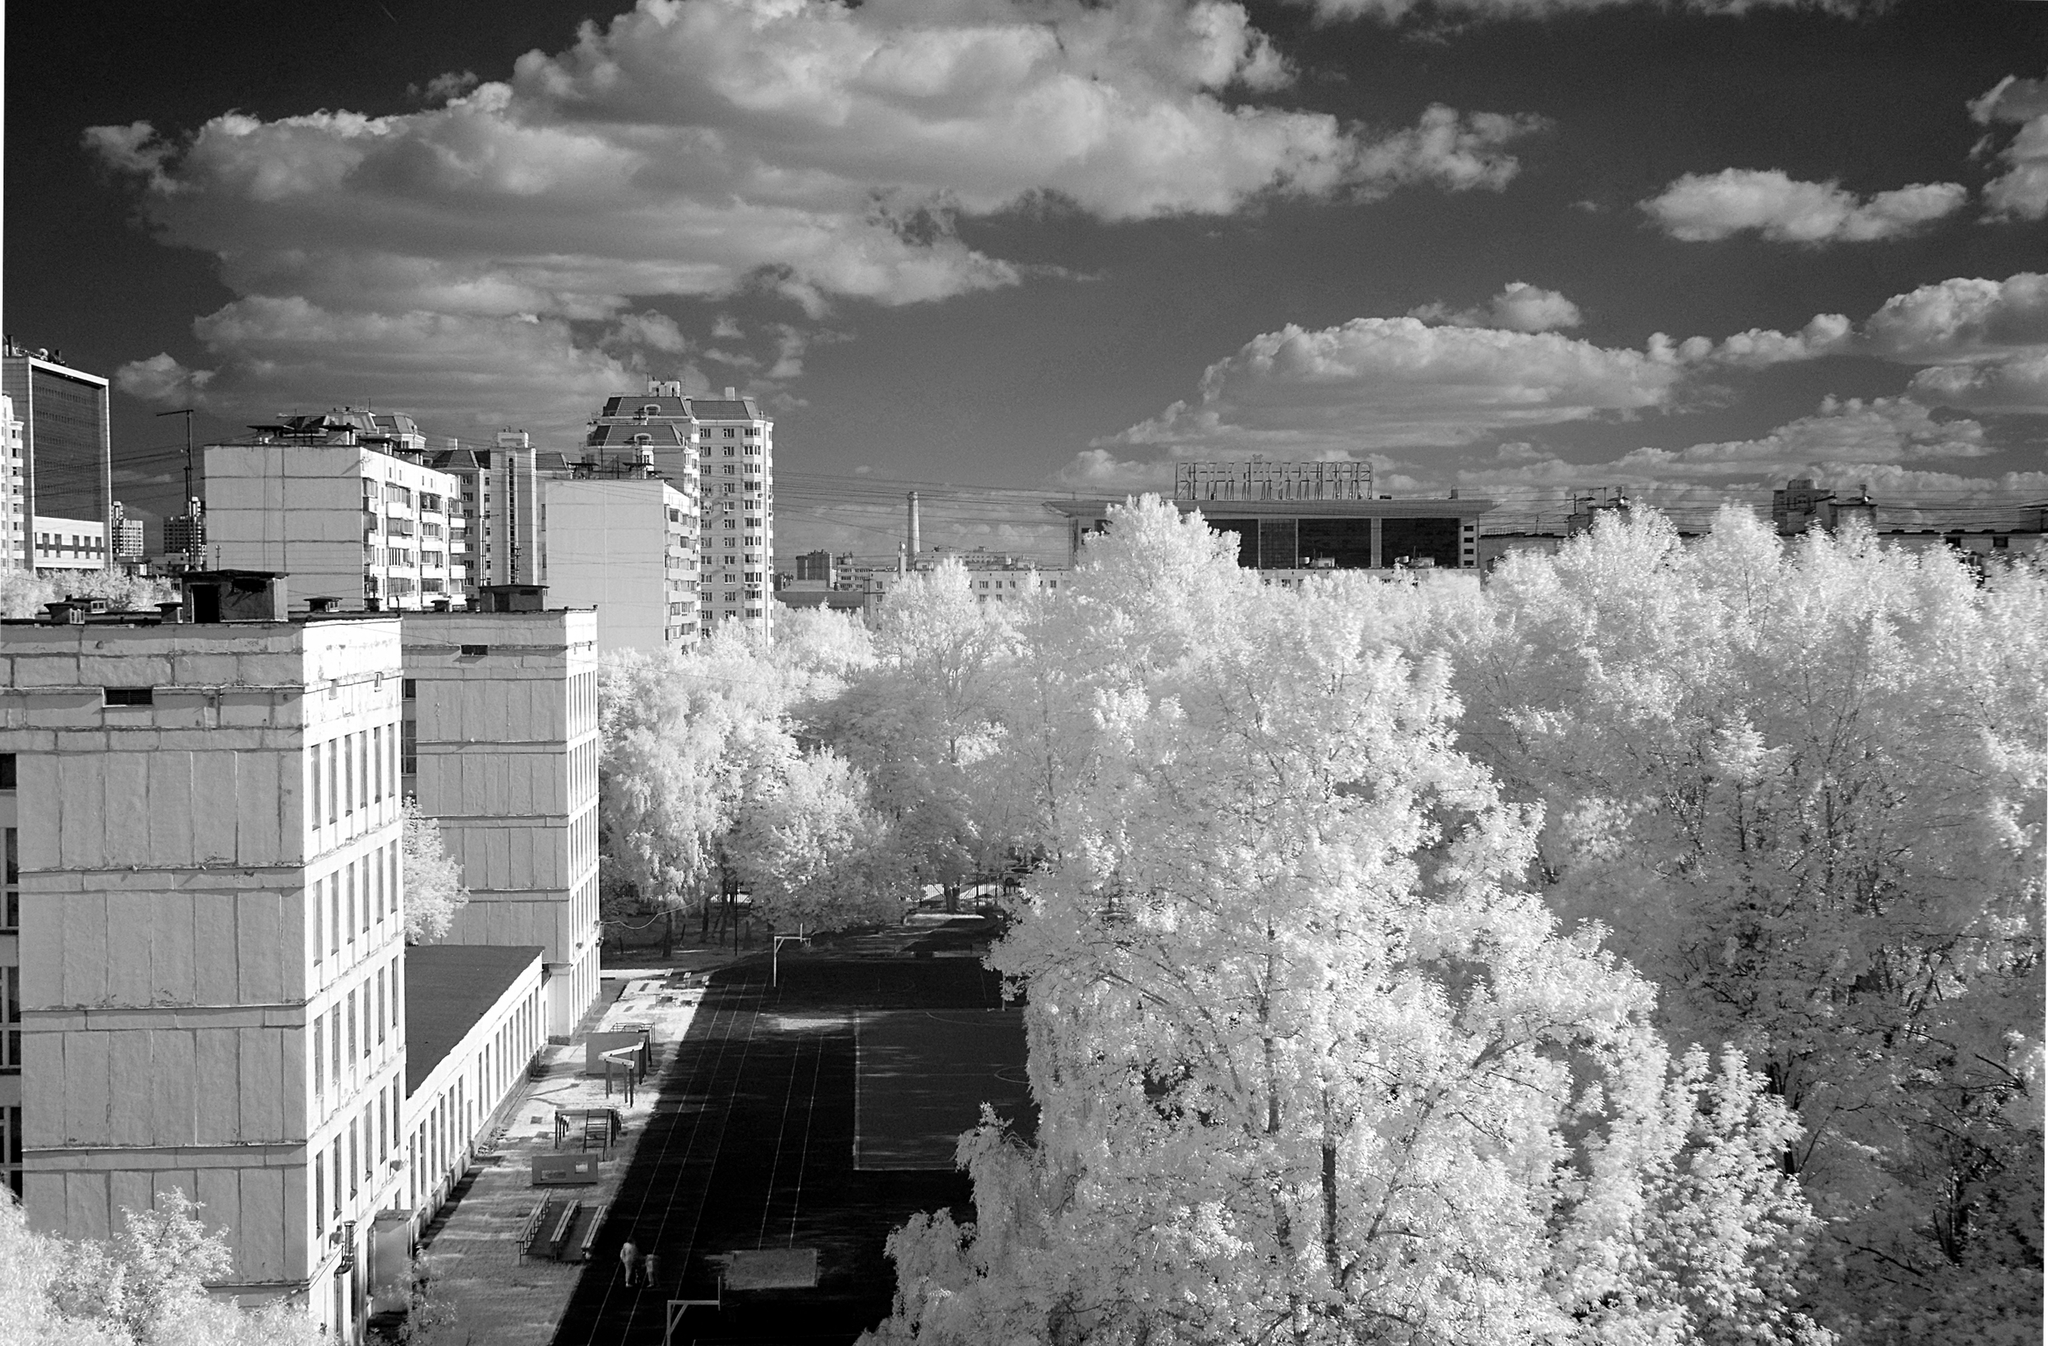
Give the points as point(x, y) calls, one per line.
point(751, 1148)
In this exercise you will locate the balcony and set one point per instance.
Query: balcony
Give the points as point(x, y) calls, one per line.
point(398, 527)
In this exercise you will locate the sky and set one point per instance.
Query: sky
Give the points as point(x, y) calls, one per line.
point(1001, 251)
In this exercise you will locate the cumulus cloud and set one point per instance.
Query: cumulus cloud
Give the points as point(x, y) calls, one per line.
point(1382, 381)
point(2021, 192)
point(1519, 307)
point(460, 373)
point(1985, 342)
point(1703, 208)
point(812, 149)
point(1843, 437)
point(1759, 348)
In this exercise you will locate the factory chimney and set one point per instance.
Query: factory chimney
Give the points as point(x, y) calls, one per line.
point(913, 528)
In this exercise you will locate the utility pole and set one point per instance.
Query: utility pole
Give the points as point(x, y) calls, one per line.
point(194, 559)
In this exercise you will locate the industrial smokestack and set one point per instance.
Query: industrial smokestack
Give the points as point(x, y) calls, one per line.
point(913, 528)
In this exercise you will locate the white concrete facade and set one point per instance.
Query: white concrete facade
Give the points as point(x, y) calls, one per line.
point(501, 729)
point(625, 546)
point(340, 520)
point(62, 545)
point(210, 959)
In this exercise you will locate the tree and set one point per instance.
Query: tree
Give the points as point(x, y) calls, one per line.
point(433, 879)
point(812, 851)
point(1308, 1057)
point(1802, 785)
point(146, 1288)
point(24, 593)
point(926, 722)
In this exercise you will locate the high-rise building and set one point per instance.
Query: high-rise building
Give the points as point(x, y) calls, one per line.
point(128, 540)
point(203, 836)
point(736, 463)
point(343, 505)
point(501, 506)
point(14, 529)
point(185, 535)
point(65, 455)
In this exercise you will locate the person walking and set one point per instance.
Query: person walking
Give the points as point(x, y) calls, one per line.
point(650, 1268)
point(629, 1260)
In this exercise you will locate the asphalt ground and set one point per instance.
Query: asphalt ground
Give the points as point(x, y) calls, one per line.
point(751, 1147)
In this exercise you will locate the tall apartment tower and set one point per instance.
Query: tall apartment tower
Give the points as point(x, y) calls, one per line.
point(343, 504)
point(736, 459)
point(501, 501)
point(501, 748)
point(66, 454)
point(206, 832)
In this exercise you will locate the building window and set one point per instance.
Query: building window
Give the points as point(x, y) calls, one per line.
point(10, 1020)
point(380, 1004)
point(319, 1061)
point(377, 764)
point(408, 748)
point(475, 651)
point(319, 1195)
point(130, 696)
point(411, 689)
point(10, 903)
point(10, 1148)
point(7, 769)
point(327, 752)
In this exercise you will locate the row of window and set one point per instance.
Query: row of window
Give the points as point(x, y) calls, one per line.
point(354, 900)
point(356, 769)
point(353, 1158)
point(342, 1039)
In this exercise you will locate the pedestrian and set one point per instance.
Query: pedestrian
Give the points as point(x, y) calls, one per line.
point(629, 1259)
point(650, 1268)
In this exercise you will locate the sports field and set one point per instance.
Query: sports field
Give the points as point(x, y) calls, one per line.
point(922, 1076)
point(748, 1165)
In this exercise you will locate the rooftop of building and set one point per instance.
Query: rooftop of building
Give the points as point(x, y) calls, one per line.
point(448, 988)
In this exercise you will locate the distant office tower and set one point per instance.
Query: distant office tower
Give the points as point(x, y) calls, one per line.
point(344, 506)
point(500, 746)
point(1261, 478)
point(185, 534)
point(501, 502)
point(66, 458)
point(736, 460)
point(203, 843)
point(128, 541)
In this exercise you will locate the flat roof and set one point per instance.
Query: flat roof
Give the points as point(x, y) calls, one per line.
point(1407, 507)
point(447, 989)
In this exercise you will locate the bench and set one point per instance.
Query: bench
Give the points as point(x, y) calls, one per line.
point(531, 1230)
point(596, 1223)
point(558, 1241)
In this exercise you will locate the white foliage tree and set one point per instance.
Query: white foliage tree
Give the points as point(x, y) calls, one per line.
point(1309, 1061)
point(1803, 786)
point(145, 1288)
point(433, 878)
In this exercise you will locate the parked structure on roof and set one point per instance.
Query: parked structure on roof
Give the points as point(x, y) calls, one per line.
point(1263, 478)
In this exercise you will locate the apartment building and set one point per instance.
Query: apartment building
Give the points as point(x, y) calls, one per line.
point(204, 843)
point(342, 503)
point(500, 745)
point(736, 466)
point(127, 537)
point(626, 545)
point(500, 494)
point(14, 529)
point(65, 454)
point(62, 544)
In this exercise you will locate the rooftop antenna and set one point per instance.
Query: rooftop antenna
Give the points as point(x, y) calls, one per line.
point(193, 559)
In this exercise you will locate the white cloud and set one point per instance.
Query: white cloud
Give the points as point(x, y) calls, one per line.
point(1849, 436)
point(2016, 385)
point(1099, 470)
point(459, 373)
point(1519, 307)
point(1758, 348)
point(1374, 382)
point(1962, 319)
point(2021, 192)
point(818, 150)
point(1699, 208)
